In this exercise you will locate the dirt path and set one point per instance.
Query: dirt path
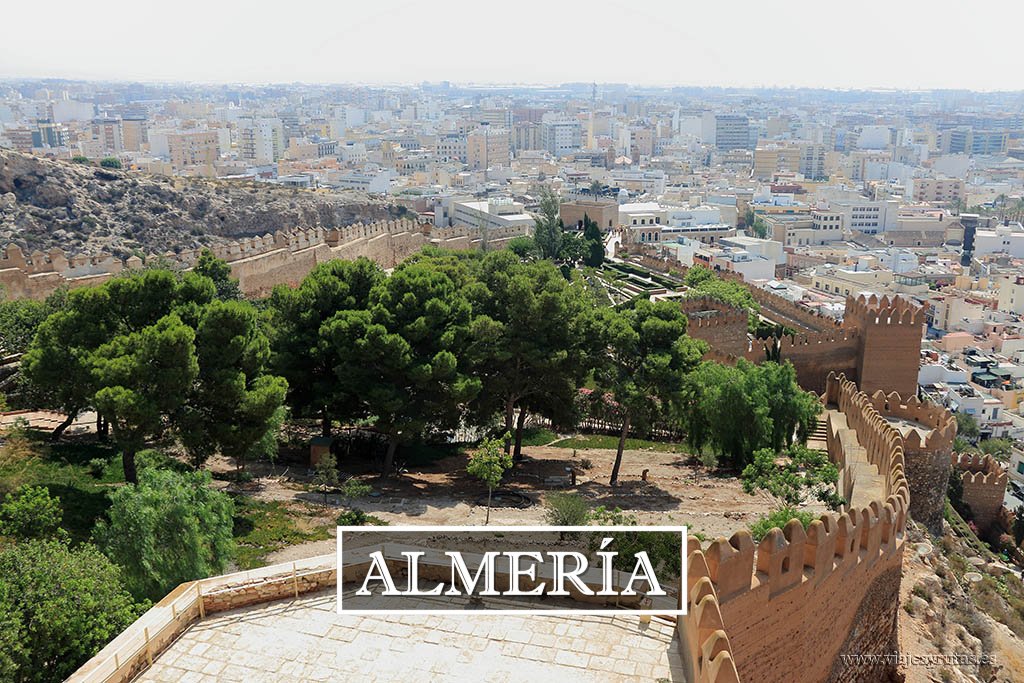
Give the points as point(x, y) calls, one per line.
point(674, 493)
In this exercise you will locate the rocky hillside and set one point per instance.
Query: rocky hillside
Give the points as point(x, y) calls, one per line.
point(86, 209)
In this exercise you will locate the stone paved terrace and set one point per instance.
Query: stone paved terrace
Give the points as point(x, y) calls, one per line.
point(306, 640)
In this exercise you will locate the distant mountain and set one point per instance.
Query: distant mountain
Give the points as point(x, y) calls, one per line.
point(85, 209)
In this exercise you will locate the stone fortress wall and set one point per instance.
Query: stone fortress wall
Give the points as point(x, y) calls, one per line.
point(723, 327)
point(877, 344)
point(926, 452)
point(259, 263)
point(787, 609)
point(984, 481)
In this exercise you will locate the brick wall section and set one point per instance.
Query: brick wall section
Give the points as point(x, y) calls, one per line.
point(880, 606)
point(814, 355)
point(984, 481)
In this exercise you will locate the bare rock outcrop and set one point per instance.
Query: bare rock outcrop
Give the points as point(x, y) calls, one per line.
point(83, 209)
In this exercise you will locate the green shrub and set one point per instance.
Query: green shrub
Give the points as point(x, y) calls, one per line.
point(566, 509)
point(356, 517)
point(353, 488)
point(778, 519)
point(97, 466)
point(31, 512)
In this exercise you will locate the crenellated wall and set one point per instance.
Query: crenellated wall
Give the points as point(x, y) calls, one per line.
point(890, 349)
point(723, 327)
point(984, 481)
point(814, 355)
point(786, 312)
point(793, 604)
point(878, 343)
point(259, 263)
point(926, 452)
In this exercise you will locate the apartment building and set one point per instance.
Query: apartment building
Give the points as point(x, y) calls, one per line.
point(134, 132)
point(487, 147)
point(526, 135)
point(261, 141)
point(193, 147)
point(816, 228)
point(560, 135)
point(108, 135)
point(1004, 239)
point(732, 131)
point(452, 147)
point(944, 190)
point(770, 158)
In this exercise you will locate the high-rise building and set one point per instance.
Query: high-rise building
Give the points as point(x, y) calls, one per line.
point(526, 135)
point(50, 134)
point(487, 147)
point(193, 148)
point(560, 135)
point(135, 132)
point(261, 141)
point(108, 135)
point(732, 131)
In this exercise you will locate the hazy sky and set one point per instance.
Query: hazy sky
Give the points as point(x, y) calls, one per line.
point(863, 43)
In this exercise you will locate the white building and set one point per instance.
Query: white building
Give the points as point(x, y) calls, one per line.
point(688, 216)
point(1011, 295)
point(560, 135)
point(261, 141)
point(769, 249)
point(867, 216)
point(374, 182)
point(1005, 239)
point(497, 212)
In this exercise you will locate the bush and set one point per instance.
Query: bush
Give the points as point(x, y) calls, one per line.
point(31, 512)
point(708, 459)
point(58, 606)
point(168, 529)
point(356, 517)
point(110, 162)
point(586, 464)
point(778, 520)
point(97, 466)
point(566, 509)
point(353, 488)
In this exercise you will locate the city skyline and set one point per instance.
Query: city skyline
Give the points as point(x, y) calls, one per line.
point(880, 46)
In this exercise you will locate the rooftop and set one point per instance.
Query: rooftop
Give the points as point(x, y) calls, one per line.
point(305, 639)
